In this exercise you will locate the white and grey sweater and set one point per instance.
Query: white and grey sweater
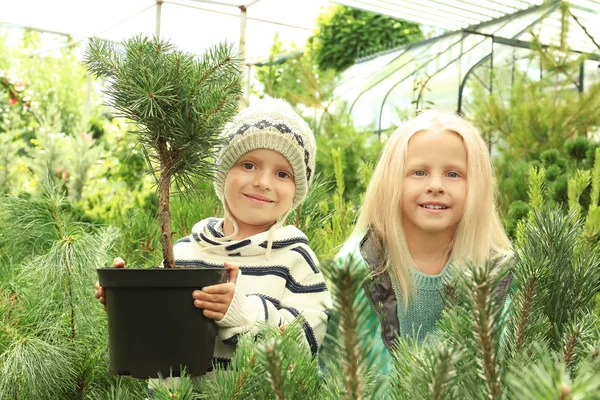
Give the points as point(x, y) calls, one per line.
point(272, 291)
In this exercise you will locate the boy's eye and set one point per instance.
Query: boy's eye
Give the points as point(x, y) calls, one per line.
point(283, 175)
point(247, 165)
point(452, 175)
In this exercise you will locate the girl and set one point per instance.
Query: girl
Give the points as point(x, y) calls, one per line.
point(436, 175)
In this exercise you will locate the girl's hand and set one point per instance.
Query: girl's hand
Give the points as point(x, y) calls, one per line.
point(100, 295)
point(216, 299)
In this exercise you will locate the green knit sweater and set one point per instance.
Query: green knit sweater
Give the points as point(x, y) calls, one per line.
point(424, 309)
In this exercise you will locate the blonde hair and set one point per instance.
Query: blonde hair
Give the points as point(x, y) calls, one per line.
point(479, 234)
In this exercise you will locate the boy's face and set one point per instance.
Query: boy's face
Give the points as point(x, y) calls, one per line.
point(259, 189)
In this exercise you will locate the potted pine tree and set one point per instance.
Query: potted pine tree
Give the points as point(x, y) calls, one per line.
point(178, 104)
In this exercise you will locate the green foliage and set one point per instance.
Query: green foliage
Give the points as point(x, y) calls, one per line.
point(539, 111)
point(566, 181)
point(12, 167)
point(556, 276)
point(549, 378)
point(49, 88)
point(52, 332)
point(535, 114)
point(178, 103)
point(276, 366)
point(576, 185)
point(346, 34)
point(295, 77)
point(336, 133)
point(61, 94)
point(346, 354)
point(577, 148)
point(338, 213)
point(314, 213)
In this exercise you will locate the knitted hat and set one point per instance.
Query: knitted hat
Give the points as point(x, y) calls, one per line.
point(273, 125)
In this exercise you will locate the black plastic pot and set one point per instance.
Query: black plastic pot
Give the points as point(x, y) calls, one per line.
point(153, 326)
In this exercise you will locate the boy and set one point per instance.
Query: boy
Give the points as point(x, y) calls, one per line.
point(264, 171)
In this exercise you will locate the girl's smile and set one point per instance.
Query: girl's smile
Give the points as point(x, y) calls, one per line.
point(434, 190)
point(434, 207)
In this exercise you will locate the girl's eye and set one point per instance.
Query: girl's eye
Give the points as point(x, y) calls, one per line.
point(452, 175)
point(247, 165)
point(283, 175)
point(419, 173)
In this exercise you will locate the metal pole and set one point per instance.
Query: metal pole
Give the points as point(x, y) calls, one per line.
point(247, 94)
point(581, 76)
point(158, 12)
point(88, 98)
point(462, 51)
point(242, 51)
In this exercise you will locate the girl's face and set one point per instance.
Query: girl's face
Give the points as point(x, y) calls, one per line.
point(434, 190)
point(259, 189)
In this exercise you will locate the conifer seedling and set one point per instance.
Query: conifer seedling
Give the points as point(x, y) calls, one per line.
point(178, 104)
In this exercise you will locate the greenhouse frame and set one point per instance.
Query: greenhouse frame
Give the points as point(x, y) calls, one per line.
point(437, 72)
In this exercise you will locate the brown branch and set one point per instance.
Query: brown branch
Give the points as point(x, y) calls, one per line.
point(352, 374)
point(276, 380)
point(69, 287)
point(209, 71)
point(570, 347)
point(164, 213)
point(525, 313)
point(441, 376)
point(483, 327)
point(242, 378)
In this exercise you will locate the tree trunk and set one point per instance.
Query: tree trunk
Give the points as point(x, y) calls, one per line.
point(164, 213)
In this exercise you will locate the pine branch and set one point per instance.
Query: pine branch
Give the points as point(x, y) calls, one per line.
point(569, 349)
point(548, 378)
point(346, 349)
point(484, 324)
point(242, 379)
point(171, 389)
point(444, 373)
point(273, 371)
point(579, 337)
point(524, 314)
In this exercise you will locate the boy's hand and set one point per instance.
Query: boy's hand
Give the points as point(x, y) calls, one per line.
point(215, 300)
point(100, 295)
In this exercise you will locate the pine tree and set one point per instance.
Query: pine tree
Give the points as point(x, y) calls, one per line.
point(179, 104)
point(52, 332)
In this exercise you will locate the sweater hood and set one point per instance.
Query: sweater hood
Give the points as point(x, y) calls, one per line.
point(208, 234)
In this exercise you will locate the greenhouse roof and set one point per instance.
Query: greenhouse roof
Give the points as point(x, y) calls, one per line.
point(192, 25)
point(440, 71)
point(475, 15)
point(461, 14)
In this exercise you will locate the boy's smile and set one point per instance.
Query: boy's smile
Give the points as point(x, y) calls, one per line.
point(259, 189)
point(434, 189)
point(258, 198)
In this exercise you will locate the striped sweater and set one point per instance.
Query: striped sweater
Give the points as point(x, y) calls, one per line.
point(270, 291)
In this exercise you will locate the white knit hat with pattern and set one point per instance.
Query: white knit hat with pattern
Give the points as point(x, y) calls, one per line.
point(269, 124)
